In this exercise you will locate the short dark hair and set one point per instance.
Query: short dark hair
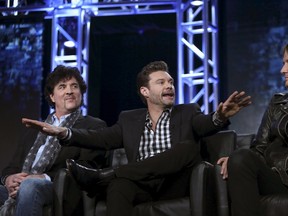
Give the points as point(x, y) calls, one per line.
point(62, 73)
point(143, 76)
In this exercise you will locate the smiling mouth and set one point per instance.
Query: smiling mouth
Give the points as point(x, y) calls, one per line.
point(70, 99)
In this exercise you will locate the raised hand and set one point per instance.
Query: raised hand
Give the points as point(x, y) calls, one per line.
point(235, 102)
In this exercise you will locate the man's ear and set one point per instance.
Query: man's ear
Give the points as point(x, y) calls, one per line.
point(144, 91)
point(52, 98)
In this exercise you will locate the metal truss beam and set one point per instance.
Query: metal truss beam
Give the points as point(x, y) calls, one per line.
point(197, 54)
point(71, 26)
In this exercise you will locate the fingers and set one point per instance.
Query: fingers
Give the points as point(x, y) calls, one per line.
point(34, 123)
point(27, 121)
point(245, 101)
point(238, 100)
point(220, 161)
point(241, 98)
point(223, 163)
point(234, 95)
point(38, 125)
point(13, 193)
point(224, 172)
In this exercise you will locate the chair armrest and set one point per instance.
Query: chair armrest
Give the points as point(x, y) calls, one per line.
point(201, 190)
point(58, 196)
point(221, 192)
point(89, 204)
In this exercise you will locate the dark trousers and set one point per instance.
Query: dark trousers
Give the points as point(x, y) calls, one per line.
point(249, 178)
point(164, 176)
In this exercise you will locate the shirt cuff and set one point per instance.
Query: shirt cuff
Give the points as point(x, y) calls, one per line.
point(68, 135)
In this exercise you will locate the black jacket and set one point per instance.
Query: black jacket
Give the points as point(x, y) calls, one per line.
point(271, 142)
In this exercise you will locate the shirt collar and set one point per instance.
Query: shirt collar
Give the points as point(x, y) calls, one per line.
point(57, 121)
point(148, 121)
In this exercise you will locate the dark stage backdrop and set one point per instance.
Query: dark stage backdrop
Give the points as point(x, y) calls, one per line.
point(119, 47)
point(252, 34)
point(21, 72)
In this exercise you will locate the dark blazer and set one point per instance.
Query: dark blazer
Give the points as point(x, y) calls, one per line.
point(187, 123)
point(72, 200)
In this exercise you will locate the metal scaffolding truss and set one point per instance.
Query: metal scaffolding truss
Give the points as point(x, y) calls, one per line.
point(70, 41)
point(198, 54)
point(196, 39)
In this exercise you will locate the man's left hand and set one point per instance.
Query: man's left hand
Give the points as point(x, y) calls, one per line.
point(223, 163)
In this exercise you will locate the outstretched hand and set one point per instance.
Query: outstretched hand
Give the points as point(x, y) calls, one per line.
point(235, 102)
point(45, 128)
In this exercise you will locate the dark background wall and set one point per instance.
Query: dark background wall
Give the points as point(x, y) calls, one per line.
point(22, 68)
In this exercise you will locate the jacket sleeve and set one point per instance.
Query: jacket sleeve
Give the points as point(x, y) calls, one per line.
point(98, 158)
point(102, 138)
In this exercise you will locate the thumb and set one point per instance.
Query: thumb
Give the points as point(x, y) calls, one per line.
point(220, 106)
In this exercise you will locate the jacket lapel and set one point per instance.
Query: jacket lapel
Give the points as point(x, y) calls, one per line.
point(175, 120)
point(136, 133)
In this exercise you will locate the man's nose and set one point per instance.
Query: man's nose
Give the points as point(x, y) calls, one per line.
point(284, 69)
point(69, 90)
point(169, 85)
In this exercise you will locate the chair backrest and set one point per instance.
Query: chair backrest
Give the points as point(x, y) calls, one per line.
point(244, 140)
point(221, 144)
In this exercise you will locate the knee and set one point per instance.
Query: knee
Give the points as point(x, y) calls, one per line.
point(118, 184)
point(31, 185)
point(120, 187)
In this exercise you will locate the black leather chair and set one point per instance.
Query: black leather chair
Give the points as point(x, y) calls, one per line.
point(59, 185)
point(272, 205)
point(218, 146)
point(202, 199)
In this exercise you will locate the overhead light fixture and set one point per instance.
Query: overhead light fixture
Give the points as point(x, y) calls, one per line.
point(69, 44)
point(197, 3)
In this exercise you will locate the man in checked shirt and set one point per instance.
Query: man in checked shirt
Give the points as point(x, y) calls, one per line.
point(161, 143)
